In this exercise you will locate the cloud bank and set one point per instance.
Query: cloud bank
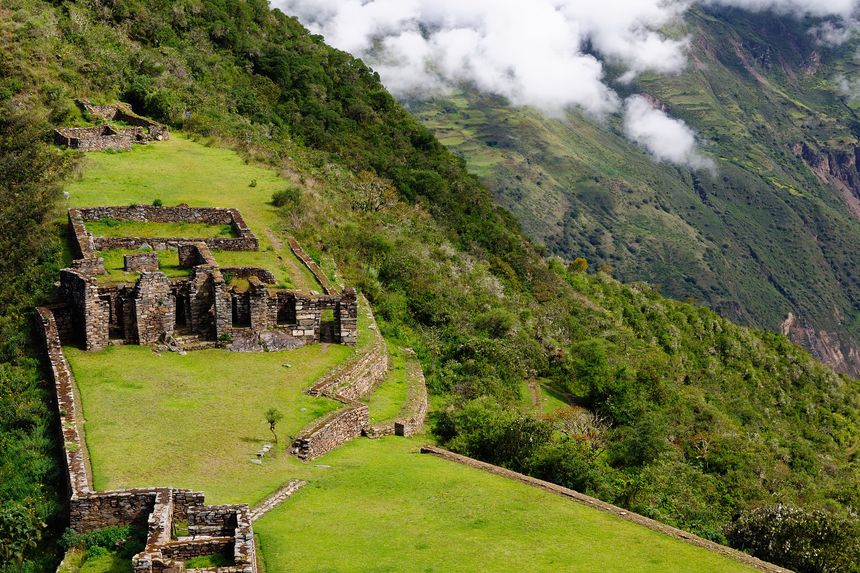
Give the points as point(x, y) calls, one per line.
point(548, 54)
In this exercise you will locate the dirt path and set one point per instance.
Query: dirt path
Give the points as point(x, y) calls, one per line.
point(534, 389)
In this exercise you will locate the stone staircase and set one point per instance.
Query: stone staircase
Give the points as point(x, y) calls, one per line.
point(189, 342)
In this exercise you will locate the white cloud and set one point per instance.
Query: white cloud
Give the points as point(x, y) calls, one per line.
point(666, 138)
point(549, 54)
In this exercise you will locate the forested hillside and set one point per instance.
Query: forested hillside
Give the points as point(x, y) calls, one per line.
point(674, 411)
point(774, 232)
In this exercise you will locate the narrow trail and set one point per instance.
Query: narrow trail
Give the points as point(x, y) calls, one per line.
point(534, 388)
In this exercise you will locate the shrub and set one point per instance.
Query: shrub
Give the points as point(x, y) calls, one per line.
point(289, 197)
point(157, 203)
point(808, 541)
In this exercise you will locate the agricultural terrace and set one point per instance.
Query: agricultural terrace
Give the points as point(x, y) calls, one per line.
point(197, 420)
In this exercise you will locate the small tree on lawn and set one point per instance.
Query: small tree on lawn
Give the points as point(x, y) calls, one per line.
point(273, 416)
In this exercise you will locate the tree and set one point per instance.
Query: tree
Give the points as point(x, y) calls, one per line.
point(372, 194)
point(578, 265)
point(273, 416)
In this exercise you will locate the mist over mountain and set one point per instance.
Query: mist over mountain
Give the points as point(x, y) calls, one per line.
point(708, 147)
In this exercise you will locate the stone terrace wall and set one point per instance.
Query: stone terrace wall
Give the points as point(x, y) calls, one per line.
point(73, 444)
point(346, 385)
point(300, 253)
point(245, 241)
point(412, 415)
point(603, 506)
point(330, 432)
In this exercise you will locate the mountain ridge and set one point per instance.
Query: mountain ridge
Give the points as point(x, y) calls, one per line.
point(773, 232)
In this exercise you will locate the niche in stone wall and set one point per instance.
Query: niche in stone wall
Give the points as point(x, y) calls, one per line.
point(241, 310)
point(287, 312)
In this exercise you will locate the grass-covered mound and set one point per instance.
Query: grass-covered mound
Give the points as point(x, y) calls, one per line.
point(196, 421)
point(382, 506)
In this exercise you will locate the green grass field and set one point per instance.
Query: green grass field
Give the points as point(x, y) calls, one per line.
point(195, 421)
point(168, 263)
point(385, 402)
point(182, 171)
point(115, 228)
point(381, 506)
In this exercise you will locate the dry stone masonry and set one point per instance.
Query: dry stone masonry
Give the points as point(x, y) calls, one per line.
point(104, 137)
point(347, 385)
point(212, 529)
point(204, 304)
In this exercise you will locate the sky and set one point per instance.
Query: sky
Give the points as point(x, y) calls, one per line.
point(533, 52)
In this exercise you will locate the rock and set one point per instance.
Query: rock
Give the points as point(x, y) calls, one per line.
point(256, 461)
point(275, 340)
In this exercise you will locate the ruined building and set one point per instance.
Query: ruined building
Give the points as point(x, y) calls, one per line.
point(202, 307)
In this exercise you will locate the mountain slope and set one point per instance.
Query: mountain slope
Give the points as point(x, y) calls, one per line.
point(774, 233)
point(675, 412)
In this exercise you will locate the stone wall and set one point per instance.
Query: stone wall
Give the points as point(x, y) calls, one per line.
point(61, 373)
point(245, 239)
point(300, 253)
point(154, 308)
point(94, 138)
point(140, 262)
point(90, 314)
point(195, 254)
point(346, 385)
point(411, 419)
point(332, 431)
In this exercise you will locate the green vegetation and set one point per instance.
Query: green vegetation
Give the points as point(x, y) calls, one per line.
point(168, 263)
point(114, 228)
point(195, 421)
point(385, 402)
point(382, 505)
point(216, 560)
point(30, 173)
point(762, 238)
point(693, 421)
point(106, 550)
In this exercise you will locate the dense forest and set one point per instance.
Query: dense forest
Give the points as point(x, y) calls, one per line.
point(676, 413)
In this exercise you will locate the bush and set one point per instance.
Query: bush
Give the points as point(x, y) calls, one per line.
point(807, 541)
point(157, 203)
point(289, 197)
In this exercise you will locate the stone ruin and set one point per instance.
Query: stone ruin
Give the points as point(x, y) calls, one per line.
point(165, 513)
point(198, 309)
point(106, 136)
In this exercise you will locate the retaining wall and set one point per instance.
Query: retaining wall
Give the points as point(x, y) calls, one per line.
point(603, 506)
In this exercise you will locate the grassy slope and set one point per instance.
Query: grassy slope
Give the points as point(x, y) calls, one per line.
point(763, 238)
point(195, 421)
point(166, 421)
point(384, 507)
point(181, 171)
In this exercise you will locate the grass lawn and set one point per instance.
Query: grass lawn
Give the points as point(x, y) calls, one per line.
point(168, 263)
point(115, 228)
point(389, 397)
point(381, 506)
point(195, 421)
point(182, 171)
point(264, 259)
